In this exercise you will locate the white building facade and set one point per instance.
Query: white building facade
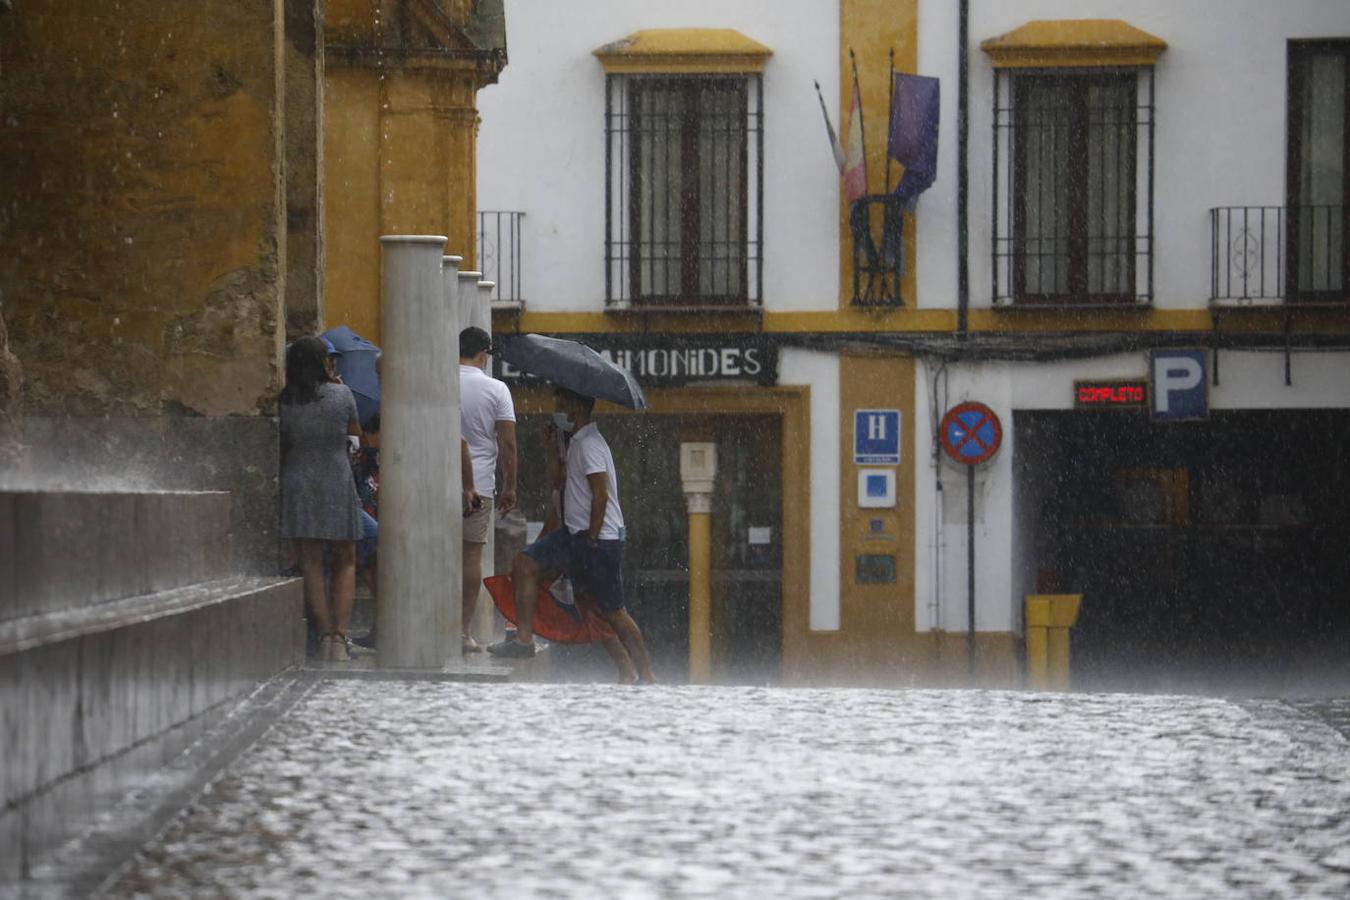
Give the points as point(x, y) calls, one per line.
point(1149, 187)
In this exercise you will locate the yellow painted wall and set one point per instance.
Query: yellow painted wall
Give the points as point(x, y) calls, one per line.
point(141, 205)
point(352, 200)
point(399, 148)
point(871, 29)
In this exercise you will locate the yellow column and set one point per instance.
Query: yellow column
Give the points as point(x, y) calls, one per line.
point(700, 588)
point(1049, 618)
point(1038, 614)
point(698, 469)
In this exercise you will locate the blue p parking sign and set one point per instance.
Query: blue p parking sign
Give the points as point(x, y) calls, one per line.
point(1180, 390)
point(876, 437)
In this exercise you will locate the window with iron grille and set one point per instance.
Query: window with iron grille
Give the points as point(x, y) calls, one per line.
point(1318, 179)
point(1073, 187)
point(684, 179)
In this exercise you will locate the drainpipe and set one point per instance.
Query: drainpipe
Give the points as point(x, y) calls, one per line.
point(962, 176)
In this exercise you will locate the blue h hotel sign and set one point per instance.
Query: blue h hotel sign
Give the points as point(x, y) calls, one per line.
point(876, 437)
point(1180, 388)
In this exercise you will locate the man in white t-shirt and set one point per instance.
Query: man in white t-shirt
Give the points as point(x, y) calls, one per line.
point(487, 421)
point(588, 548)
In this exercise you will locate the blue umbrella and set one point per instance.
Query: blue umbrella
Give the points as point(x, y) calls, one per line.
point(356, 365)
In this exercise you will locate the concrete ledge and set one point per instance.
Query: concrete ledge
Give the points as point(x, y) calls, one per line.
point(72, 548)
point(47, 628)
point(364, 669)
point(81, 720)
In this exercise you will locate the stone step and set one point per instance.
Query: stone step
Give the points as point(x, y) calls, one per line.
point(66, 549)
point(94, 700)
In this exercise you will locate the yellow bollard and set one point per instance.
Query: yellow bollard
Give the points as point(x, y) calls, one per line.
point(1049, 618)
point(700, 597)
point(1038, 615)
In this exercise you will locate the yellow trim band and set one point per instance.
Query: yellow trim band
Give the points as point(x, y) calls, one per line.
point(1074, 43)
point(684, 51)
point(926, 321)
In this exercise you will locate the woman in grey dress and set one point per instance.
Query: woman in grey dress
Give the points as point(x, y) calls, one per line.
point(319, 506)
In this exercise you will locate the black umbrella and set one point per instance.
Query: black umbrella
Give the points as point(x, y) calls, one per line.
point(574, 366)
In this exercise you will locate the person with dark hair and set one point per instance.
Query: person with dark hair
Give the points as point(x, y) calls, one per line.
point(588, 548)
point(487, 419)
point(319, 506)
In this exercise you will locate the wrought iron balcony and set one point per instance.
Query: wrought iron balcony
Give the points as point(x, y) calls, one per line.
point(878, 266)
point(499, 254)
point(1269, 255)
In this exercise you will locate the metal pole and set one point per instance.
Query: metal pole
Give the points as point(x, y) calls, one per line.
point(419, 575)
point(970, 569)
point(963, 176)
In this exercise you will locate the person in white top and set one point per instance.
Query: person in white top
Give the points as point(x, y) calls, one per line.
point(588, 548)
point(487, 420)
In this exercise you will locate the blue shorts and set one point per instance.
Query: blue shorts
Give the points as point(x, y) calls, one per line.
point(595, 571)
point(369, 542)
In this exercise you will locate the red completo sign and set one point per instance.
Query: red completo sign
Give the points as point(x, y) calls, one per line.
point(1130, 394)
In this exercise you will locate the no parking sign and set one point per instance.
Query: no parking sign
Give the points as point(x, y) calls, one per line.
point(970, 433)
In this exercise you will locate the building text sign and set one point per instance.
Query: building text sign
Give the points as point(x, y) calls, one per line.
point(675, 360)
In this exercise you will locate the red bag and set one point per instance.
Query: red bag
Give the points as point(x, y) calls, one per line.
point(553, 621)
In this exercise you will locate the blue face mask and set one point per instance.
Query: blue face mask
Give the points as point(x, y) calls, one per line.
point(565, 425)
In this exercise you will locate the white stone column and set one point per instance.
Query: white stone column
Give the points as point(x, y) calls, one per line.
point(488, 625)
point(469, 313)
point(451, 282)
point(419, 574)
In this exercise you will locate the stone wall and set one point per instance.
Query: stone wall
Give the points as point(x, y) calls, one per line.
point(143, 205)
point(123, 632)
point(11, 383)
point(304, 168)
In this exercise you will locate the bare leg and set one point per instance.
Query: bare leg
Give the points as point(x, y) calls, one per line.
point(614, 647)
point(309, 556)
point(473, 581)
point(343, 557)
point(631, 635)
point(525, 577)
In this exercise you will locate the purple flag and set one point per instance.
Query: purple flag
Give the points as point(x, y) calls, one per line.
point(914, 134)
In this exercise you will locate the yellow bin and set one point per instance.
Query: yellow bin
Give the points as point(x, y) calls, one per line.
point(1049, 618)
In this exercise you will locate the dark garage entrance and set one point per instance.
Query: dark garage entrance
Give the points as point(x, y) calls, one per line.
point(1212, 555)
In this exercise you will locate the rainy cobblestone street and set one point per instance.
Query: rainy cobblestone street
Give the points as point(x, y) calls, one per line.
point(420, 789)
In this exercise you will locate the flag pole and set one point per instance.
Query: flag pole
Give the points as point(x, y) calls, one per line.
point(862, 121)
point(890, 123)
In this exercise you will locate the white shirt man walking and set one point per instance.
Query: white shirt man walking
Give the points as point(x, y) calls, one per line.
point(588, 548)
point(487, 419)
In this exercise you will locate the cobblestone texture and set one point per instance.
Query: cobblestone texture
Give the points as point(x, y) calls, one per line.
point(378, 788)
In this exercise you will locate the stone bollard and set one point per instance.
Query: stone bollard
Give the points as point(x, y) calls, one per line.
point(1048, 620)
point(419, 476)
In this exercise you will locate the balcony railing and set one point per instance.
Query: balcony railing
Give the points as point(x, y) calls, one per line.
point(499, 253)
point(1266, 255)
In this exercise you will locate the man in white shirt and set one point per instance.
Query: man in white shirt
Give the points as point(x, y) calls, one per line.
point(487, 421)
point(588, 548)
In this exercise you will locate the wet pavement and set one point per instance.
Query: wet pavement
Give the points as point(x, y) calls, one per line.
point(420, 789)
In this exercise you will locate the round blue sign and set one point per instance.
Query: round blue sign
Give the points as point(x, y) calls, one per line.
point(970, 433)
